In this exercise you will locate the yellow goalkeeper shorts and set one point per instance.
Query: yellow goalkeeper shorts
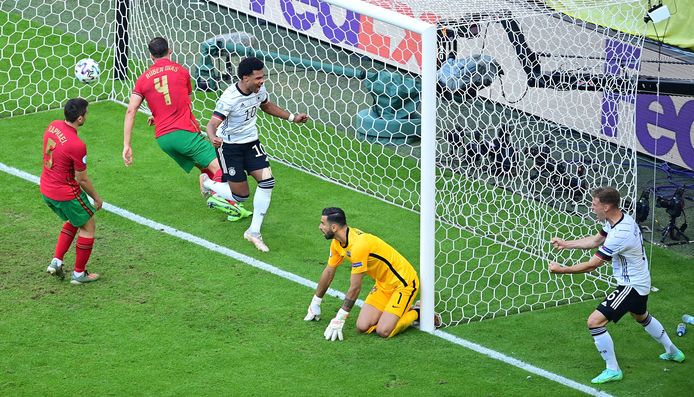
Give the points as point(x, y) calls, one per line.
point(396, 301)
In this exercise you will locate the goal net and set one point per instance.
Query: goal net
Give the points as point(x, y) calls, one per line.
point(533, 109)
point(40, 43)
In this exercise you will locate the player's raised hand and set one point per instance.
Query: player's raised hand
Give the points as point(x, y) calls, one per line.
point(334, 329)
point(127, 155)
point(314, 309)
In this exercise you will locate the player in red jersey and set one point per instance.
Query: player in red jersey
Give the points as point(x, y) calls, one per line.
point(64, 181)
point(167, 89)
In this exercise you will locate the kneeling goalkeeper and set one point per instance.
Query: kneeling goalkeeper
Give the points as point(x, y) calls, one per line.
point(388, 308)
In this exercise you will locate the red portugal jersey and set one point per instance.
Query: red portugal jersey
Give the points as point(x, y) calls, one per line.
point(166, 88)
point(63, 154)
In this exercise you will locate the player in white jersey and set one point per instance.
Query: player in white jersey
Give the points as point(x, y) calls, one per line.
point(621, 243)
point(234, 132)
point(623, 246)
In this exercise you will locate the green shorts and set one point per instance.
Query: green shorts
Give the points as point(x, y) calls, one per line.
point(187, 149)
point(78, 211)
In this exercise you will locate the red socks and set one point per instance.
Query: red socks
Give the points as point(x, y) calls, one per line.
point(217, 176)
point(83, 251)
point(65, 240)
point(208, 172)
point(83, 248)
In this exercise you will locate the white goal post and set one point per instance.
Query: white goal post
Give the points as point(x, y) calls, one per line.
point(427, 206)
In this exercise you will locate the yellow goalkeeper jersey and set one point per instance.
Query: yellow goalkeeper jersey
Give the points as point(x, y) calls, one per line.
point(373, 256)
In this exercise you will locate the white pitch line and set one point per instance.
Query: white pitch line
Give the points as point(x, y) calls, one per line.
point(311, 284)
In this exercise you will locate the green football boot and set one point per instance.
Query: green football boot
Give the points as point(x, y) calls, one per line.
point(677, 357)
point(608, 375)
point(219, 203)
point(235, 212)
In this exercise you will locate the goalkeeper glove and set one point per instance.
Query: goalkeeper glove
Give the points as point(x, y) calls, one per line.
point(314, 309)
point(334, 329)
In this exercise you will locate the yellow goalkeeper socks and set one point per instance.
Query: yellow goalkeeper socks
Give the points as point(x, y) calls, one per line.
point(405, 321)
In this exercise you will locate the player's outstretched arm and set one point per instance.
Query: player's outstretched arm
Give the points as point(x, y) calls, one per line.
point(274, 110)
point(133, 106)
point(584, 243)
point(583, 267)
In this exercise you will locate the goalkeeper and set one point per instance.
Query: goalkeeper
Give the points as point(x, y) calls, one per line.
point(388, 309)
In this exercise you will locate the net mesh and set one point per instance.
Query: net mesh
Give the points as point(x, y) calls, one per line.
point(40, 42)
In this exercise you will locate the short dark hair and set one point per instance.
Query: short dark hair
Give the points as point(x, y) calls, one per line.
point(335, 215)
point(158, 47)
point(74, 108)
point(249, 65)
point(607, 195)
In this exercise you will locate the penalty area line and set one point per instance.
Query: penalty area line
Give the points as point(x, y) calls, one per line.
point(311, 284)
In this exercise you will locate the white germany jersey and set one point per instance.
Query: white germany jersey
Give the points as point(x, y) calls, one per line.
point(624, 246)
point(238, 113)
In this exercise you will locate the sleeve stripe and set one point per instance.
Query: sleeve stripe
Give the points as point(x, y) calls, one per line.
point(219, 116)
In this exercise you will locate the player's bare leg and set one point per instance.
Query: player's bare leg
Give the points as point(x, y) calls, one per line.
point(214, 167)
point(387, 323)
point(240, 189)
point(368, 319)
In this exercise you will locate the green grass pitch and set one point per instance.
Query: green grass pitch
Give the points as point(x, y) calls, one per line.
point(171, 318)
